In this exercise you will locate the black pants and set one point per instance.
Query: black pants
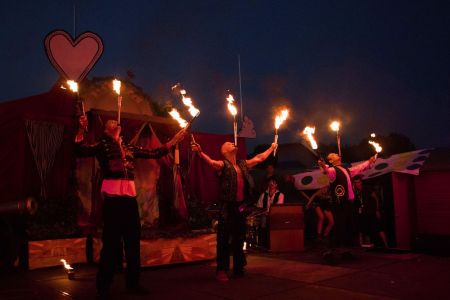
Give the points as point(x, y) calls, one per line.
point(231, 225)
point(121, 221)
point(344, 232)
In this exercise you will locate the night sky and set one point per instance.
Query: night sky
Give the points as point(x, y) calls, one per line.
point(378, 66)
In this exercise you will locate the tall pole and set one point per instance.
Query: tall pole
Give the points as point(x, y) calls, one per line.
point(240, 87)
point(338, 138)
point(74, 20)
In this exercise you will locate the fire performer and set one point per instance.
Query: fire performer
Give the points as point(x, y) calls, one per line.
point(120, 209)
point(342, 201)
point(236, 193)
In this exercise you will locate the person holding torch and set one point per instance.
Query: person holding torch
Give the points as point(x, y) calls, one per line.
point(120, 209)
point(236, 192)
point(343, 196)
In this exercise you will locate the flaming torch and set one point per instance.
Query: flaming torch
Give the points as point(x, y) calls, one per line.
point(191, 108)
point(73, 86)
point(376, 145)
point(176, 116)
point(69, 270)
point(187, 101)
point(233, 110)
point(116, 87)
point(335, 125)
point(309, 133)
point(279, 119)
point(183, 124)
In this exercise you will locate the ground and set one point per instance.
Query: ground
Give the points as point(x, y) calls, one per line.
point(372, 275)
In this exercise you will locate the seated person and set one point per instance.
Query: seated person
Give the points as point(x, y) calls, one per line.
point(271, 196)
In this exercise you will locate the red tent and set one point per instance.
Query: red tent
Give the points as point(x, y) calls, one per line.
point(38, 160)
point(19, 119)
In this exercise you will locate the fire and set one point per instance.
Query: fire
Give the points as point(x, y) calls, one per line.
point(176, 115)
point(73, 86)
point(279, 119)
point(335, 125)
point(188, 102)
point(309, 131)
point(66, 265)
point(116, 86)
point(377, 146)
point(231, 107)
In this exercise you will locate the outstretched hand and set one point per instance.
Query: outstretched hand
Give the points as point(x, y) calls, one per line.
point(322, 163)
point(196, 147)
point(177, 137)
point(274, 146)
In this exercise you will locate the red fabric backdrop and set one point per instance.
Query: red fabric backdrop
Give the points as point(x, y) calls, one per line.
point(202, 180)
point(18, 173)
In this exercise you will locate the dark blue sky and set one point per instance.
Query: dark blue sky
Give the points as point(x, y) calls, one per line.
point(379, 66)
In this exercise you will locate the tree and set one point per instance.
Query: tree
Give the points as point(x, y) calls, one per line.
point(98, 87)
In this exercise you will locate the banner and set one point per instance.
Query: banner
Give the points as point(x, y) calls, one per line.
point(408, 162)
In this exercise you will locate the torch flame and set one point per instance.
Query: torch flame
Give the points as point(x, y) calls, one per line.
point(66, 265)
point(372, 135)
point(335, 126)
point(376, 146)
point(188, 102)
point(231, 107)
point(176, 115)
point(73, 85)
point(116, 86)
point(309, 131)
point(279, 119)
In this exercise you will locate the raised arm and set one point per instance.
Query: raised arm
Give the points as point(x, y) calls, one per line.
point(363, 166)
point(81, 149)
point(216, 164)
point(261, 156)
point(176, 138)
point(326, 170)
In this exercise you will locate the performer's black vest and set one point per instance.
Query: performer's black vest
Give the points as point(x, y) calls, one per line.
point(228, 182)
point(266, 198)
point(339, 187)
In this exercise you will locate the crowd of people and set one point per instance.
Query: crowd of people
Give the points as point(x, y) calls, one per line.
point(344, 209)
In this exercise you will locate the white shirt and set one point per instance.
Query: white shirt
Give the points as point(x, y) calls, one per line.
point(270, 199)
point(119, 187)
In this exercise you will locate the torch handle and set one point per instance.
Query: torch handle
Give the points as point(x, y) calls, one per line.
point(338, 137)
point(235, 131)
point(275, 141)
point(177, 154)
point(192, 120)
point(119, 108)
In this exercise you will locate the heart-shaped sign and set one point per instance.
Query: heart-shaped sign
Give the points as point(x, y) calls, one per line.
point(73, 59)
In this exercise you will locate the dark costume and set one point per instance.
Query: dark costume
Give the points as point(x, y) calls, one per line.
point(366, 206)
point(232, 217)
point(342, 209)
point(120, 211)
